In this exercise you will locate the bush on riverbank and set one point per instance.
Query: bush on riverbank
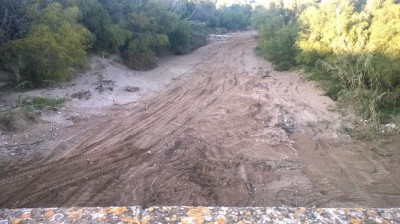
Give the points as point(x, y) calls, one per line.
point(42, 42)
point(353, 46)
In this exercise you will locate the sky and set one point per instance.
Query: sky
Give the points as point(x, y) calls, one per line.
point(229, 2)
point(256, 2)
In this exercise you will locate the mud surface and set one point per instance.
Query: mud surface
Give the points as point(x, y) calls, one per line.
point(232, 133)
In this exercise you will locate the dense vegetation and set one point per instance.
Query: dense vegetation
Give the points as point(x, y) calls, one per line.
point(354, 46)
point(44, 41)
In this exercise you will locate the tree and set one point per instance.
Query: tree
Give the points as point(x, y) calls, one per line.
point(151, 24)
point(331, 28)
point(110, 36)
point(180, 38)
point(14, 22)
point(278, 36)
point(385, 29)
point(235, 17)
point(384, 43)
point(54, 44)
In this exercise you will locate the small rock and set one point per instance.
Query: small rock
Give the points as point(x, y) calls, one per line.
point(82, 95)
point(382, 151)
point(265, 76)
point(391, 125)
point(390, 128)
point(100, 89)
point(132, 89)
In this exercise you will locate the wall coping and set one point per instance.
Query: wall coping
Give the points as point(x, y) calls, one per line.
point(184, 214)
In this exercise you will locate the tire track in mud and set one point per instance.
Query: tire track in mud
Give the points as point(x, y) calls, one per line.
point(157, 115)
point(380, 169)
point(290, 100)
point(367, 187)
point(357, 186)
point(183, 105)
point(75, 160)
point(90, 174)
point(209, 93)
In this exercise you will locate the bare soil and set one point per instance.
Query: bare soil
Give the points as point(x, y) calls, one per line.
point(229, 131)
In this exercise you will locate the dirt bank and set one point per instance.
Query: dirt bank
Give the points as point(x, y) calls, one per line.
point(233, 132)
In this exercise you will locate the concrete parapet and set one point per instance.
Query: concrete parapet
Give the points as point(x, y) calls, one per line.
point(177, 214)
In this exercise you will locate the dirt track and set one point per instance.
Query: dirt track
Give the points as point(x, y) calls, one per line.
point(234, 133)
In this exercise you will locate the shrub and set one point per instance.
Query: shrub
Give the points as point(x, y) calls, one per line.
point(6, 121)
point(140, 61)
point(53, 45)
point(179, 39)
point(277, 38)
point(235, 17)
point(139, 55)
point(363, 81)
point(46, 101)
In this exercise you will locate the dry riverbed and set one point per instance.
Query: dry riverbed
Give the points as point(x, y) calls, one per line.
point(218, 127)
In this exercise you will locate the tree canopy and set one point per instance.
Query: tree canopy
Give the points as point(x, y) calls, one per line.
point(43, 41)
point(353, 45)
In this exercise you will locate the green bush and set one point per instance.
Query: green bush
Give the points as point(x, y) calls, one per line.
point(353, 47)
point(206, 11)
point(140, 61)
point(179, 39)
point(139, 56)
point(363, 82)
point(235, 17)
point(46, 101)
point(6, 121)
point(31, 107)
point(44, 41)
point(277, 37)
point(54, 44)
point(259, 17)
point(110, 35)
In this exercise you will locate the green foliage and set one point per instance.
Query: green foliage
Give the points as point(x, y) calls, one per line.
point(359, 48)
point(139, 55)
point(385, 30)
point(6, 121)
point(46, 101)
point(364, 83)
point(32, 106)
point(187, 10)
point(259, 17)
point(278, 36)
point(14, 20)
point(44, 41)
point(332, 85)
point(54, 44)
point(180, 38)
point(207, 12)
point(110, 36)
point(235, 17)
point(140, 60)
point(351, 46)
point(331, 29)
point(115, 37)
point(140, 30)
